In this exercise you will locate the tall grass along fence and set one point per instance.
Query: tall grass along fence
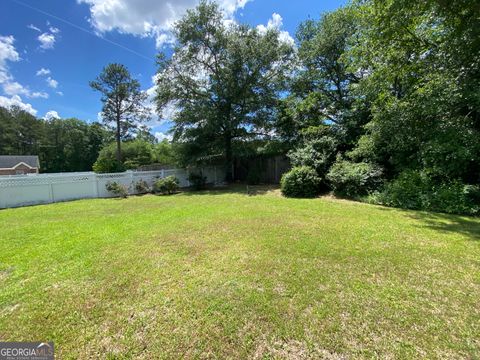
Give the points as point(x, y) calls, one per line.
point(21, 190)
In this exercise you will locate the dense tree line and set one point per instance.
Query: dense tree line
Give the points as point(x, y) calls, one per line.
point(379, 98)
point(61, 144)
point(68, 145)
point(385, 102)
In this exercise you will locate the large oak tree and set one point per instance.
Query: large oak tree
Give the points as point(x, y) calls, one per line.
point(224, 79)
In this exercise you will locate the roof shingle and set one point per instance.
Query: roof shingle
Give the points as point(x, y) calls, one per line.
point(9, 161)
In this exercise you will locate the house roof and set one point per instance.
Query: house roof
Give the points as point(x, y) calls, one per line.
point(10, 161)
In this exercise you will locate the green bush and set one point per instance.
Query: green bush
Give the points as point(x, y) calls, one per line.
point(318, 153)
point(416, 190)
point(117, 189)
point(302, 182)
point(454, 198)
point(167, 185)
point(354, 179)
point(141, 187)
point(135, 153)
point(406, 191)
point(197, 181)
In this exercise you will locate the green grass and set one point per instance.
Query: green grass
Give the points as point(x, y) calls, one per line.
point(226, 275)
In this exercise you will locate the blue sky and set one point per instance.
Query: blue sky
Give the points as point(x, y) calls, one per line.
point(51, 49)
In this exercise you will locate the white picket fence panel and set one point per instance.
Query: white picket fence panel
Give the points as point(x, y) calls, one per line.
point(22, 190)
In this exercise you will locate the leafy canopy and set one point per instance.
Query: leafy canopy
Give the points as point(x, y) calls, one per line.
point(224, 80)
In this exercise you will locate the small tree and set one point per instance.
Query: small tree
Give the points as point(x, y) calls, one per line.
point(123, 101)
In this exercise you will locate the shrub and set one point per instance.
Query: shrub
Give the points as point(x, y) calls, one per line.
point(197, 181)
point(453, 198)
point(135, 153)
point(167, 185)
point(416, 190)
point(354, 179)
point(106, 165)
point(141, 187)
point(117, 189)
point(317, 153)
point(301, 181)
point(406, 191)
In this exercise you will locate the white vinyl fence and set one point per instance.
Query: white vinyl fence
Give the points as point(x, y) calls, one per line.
point(21, 190)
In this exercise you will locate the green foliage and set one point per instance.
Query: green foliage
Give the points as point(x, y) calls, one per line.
point(117, 189)
point(244, 73)
point(301, 182)
point(165, 153)
point(354, 179)
point(141, 187)
point(416, 190)
point(318, 153)
point(323, 89)
point(134, 154)
point(197, 180)
point(166, 186)
point(123, 101)
point(397, 83)
point(421, 78)
point(63, 145)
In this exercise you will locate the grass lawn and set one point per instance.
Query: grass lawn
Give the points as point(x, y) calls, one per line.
point(226, 275)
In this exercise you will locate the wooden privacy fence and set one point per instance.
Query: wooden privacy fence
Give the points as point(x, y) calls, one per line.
point(21, 190)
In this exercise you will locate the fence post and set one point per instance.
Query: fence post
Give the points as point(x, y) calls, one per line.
point(215, 174)
point(50, 183)
point(3, 201)
point(95, 179)
point(163, 173)
point(131, 183)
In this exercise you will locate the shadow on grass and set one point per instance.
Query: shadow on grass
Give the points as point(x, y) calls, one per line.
point(461, 224)
point(240, 189)
point(469, 226)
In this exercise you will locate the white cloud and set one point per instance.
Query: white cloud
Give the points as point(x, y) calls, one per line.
point(47, 41)
point(17, 101)
point(38, 94)
point(276, 22)
point(146, 17)
point(7, 51)
point(9, 85)
point(43, 72)
point(164, 39)
point(52, 82)
point(14, 88)
point(33, 27)
point(52, 114)
point(160, 136)
point(60, 93)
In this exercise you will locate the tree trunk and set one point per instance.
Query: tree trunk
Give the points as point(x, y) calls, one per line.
point(228, 158)
point(119, 148)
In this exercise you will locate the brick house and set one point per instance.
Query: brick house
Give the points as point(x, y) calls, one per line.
point(19, 164)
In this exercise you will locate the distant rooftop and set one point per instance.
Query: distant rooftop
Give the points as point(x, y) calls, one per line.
point(10, 161)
